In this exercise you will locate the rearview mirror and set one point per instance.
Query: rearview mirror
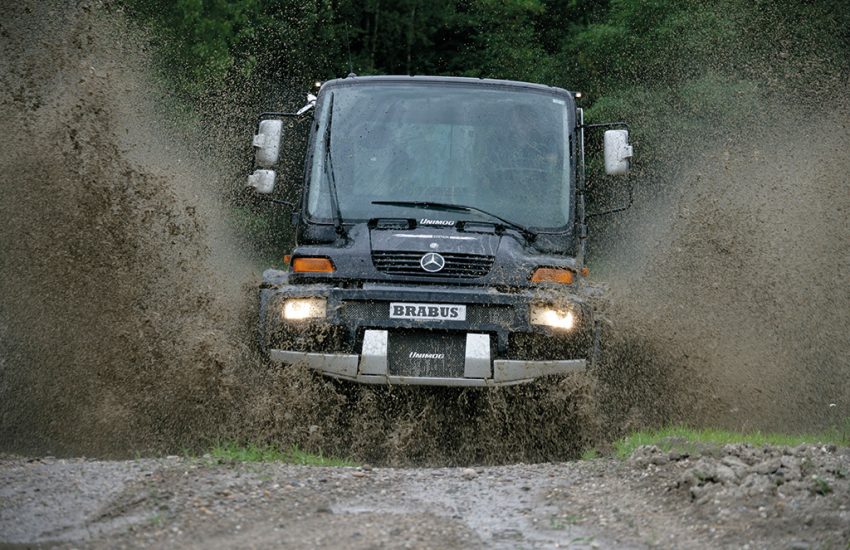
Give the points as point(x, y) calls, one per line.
point(617, 152)
point(262, 181)
point(267, 142)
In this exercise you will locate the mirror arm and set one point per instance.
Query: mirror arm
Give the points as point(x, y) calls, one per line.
point(275, 114)
point(631, 188)
point(311, 103)
point(605, 125)
point(275, 201)
point(615, 210)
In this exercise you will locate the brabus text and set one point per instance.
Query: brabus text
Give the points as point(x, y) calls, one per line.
point(443, 312)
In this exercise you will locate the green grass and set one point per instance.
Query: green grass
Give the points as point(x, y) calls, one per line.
point(268, 453)
point(589, 454)
point(687, 439)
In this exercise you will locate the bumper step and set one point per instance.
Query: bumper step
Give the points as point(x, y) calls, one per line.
point(372, 365)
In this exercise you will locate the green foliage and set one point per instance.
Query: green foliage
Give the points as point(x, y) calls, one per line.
point(200, 37)
point(682, 438)
point(602, 47)
point(589, 454)
point(821, 486)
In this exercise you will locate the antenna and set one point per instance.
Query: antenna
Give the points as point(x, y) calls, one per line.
point(348, 47)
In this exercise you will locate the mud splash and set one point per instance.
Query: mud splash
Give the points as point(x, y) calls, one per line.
point(125, 315)
point(425, 426)
point(736, 271)
point(121, 313)
point(126, 303)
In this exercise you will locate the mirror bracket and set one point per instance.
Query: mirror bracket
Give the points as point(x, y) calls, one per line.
point(311, 103)
point(618, 209)
point(611, 125)
point(275, 201)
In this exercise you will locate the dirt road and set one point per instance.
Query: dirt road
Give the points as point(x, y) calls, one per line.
point(735, 496)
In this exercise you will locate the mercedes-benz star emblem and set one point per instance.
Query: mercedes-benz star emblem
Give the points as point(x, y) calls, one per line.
point(432, 262)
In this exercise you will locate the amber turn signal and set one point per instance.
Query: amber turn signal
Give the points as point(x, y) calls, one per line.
point(312, 265)
point(552, 275)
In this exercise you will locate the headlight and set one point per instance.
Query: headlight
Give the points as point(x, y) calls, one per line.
point(551, 317)
point(304, 308)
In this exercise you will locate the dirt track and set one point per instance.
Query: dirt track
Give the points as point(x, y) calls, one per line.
point(736, 496)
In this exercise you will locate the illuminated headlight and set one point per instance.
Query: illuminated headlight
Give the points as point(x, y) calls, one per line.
point(304, 308)
point(556, 318)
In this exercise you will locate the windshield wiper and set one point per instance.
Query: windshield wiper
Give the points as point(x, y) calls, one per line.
point(329, 171)
point(524, 231)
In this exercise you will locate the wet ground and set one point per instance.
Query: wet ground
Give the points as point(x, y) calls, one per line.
point(734, 496)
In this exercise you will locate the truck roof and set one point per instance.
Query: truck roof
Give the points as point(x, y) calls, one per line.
point(353, 80)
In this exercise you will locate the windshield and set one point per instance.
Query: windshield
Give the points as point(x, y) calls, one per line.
point(500, 151)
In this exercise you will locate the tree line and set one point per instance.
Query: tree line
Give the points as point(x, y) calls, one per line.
point(605, 48)
point(672, 68)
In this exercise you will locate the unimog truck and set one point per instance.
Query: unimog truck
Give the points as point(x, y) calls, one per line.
point(440, 233)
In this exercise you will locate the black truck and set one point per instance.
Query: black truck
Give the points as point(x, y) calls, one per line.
point(440, 233)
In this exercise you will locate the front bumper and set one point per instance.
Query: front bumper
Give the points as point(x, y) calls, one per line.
point(495, 345)
point(371, 366)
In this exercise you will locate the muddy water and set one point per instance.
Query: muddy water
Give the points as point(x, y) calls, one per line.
point(126, 304)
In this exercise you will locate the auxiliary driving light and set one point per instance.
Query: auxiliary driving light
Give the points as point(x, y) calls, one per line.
point(563, 319)
point(304, 308)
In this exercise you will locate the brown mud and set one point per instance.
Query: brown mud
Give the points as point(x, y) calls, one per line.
point(126, 304)
point(738, 274)
point(121, 311)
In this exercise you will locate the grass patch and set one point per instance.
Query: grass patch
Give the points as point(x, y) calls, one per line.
point(589, 454)
point(292, 455)
point(685, 439)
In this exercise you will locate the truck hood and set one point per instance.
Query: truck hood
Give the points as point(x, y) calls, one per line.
point(435, 239)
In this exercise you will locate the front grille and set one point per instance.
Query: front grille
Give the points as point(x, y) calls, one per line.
point(461, 266)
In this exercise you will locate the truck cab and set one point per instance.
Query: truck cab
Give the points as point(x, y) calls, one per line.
point(440, 233)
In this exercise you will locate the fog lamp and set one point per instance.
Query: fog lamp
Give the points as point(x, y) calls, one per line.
point(563, 319)
point(304, 308)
